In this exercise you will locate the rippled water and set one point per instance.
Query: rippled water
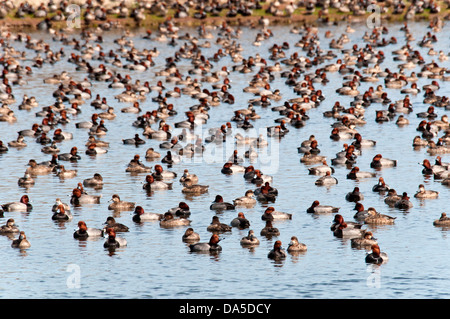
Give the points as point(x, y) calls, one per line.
point(157, 264)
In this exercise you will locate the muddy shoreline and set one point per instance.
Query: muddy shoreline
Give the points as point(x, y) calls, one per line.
point(152, 22)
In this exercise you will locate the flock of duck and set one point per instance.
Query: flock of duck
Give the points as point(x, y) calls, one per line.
point(207, 82)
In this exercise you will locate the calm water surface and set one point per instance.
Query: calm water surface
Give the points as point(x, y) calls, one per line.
point(157, 264)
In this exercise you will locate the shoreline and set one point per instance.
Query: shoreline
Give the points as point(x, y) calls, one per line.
point(298, 19)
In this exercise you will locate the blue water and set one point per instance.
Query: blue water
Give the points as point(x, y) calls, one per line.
point(157, 264)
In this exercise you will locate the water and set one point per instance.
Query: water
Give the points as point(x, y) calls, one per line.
point(157, 264)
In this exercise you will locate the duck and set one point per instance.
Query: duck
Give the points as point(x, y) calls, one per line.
point(135, 166)
point(211, 246)
point(247, 200)
point(188, 177)
point(151, 154)
point(295, 246)
point(152, 184)
point(61, 214)
point(271, 214)
point(71, 156)
point(23, 205)
point(277, 252)
point(26, 180)
point(404, 202)
point(422, 193)
point(361, 213)
point(442, 221)
point(95, 181)
point(120, 205)
point(10, 227)
point(182, 210)
point(317, 208)
point(269, 231)
point(376, 256)
point(194, 189)
point(326, 180)
point(37, 169)
point(321, 169)
point(250, 240)
point(78, 198)
point(355, 195)
point(366, 241)
point(139, 215)
point(113, 241)
point(355, 174)
point(217, 226)
point(83, 232)
point(240, 221)
point(161, 174)
point(169, 221)
point(64, 173)
point(379, 161)
point(117, 227)
point(190, 236)
point(381, 186)
point(392, 197)
point(375, 218)
point(219, 204)
point(21, 242)
point(136, 140)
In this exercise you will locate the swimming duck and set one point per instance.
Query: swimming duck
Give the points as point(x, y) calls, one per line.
point(169, 221)
point(66, 173)
point(277, 252)
point(151, 154)
point(295, 246)
point(61, 214)
point(71, 156)
point(26, 180)
point(422, 193)
point(10, 227)
point(316, 208)
point(217, 226)
point(190, 236)
point(404, 202)
point(182, 210)
point(120, 205)
point(160, 173)
point(117, 227)
point(21, 242)
point(78, 198)
point(188, 177)
point(381, 186)
point(152, 184)
point(211, 246)
point(355, 173)
point(245, 201)
point(240, 221)
point(442, 221)
point(379, 161)
point(354, 196)
point(366, 241)
point(83, 232)
point(392, 197)
point(37, 169)
point(376, 256)
point(135, 166)
point(113, 241)
point(219, 204)
point(140, 215)
point(96, 181)
point(375, 218)
point(271, 214)
point(23, 205)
